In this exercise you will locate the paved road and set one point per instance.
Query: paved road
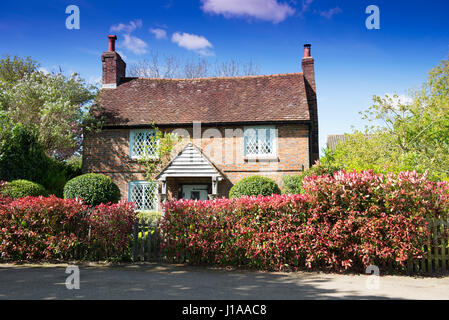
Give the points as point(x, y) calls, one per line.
point(160, 281)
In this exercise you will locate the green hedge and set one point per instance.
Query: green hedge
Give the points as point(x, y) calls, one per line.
point(23, 188)
point(292, 184)
point(254, 186)
point(149, 216)
point(93, 188)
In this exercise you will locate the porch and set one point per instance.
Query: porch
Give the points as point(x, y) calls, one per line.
point(190, 175)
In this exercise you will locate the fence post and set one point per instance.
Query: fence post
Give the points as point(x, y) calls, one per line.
point(443, 244)
point(155, 240)
point(135, 243)
point(142, 226)
point(149, 240)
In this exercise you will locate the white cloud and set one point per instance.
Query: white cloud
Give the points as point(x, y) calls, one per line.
point(43, 70)
point(127, 28)
point(192, 42)
point(306, 4)
point(134, 44)
point(159, 33)
point(331, 12)
point(131, 43)
point(268, 10)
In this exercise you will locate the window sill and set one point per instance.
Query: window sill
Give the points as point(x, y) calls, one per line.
point(136, 159)
point(262, 158)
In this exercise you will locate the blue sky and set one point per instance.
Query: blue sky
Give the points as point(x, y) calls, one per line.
point(352, 63)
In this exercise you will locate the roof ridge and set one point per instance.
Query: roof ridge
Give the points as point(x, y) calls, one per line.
point(219, 78)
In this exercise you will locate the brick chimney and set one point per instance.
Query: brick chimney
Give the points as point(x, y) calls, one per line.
point(114, 68)
point(308, 70)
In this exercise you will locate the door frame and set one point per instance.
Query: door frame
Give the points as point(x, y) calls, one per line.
point(209, 188)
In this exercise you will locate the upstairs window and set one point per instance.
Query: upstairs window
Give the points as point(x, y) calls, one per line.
point(144, 194)
point(260, 141)
point(142, 143)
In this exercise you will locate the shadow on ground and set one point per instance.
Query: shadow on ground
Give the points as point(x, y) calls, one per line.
point(166, 281)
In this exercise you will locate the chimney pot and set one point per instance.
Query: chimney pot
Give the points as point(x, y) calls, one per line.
point(307, 50)
point(112, 39)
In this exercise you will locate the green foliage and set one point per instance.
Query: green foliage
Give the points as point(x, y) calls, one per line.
point(21, 155)
point(407, 134)
point(149, 216)
point(23, 188)
point(93, 188)
point(254, 186)
point(157, 161)
point(54, 106)
point(13, 69)
point(292, 184)
point(59, 173)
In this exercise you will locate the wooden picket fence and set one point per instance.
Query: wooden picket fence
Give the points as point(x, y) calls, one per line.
point(436, 249)
point(147, 237)
point(146, 242)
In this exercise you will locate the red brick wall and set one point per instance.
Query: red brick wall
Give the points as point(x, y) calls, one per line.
point(114, 68)
point(107, 152)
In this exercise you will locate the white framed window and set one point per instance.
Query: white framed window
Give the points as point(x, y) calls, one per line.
point(142, 142)
point(260, 141)
point(144, 194)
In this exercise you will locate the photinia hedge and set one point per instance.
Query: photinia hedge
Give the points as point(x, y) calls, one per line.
point(346, 221)
point(39, 228)
point(111, 226)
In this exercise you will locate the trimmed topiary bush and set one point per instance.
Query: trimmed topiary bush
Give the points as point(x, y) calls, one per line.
point(93, 188)
point(254, 186)
point(23, 188)
point(291, 184)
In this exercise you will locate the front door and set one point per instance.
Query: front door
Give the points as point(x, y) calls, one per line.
point(195, 191)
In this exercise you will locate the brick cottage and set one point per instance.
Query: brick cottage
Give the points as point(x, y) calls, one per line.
point(231, 127)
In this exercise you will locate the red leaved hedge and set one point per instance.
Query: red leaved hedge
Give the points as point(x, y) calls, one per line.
point(39, 228)
point(346, 221)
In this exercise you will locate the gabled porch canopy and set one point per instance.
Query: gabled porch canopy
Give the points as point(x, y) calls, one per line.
point(190, 163)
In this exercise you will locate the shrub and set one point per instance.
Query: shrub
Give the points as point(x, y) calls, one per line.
point(40, 228)
point(23, 188)
point(254, 186)
point(59, 172)
point(93, 188)
point(149, 216)
point(3, 199)
point(293, 183)
point(347, 221)
point(22, 156)
point(111, 229)
point(34, 229)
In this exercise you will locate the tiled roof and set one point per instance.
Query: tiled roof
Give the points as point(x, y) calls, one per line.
point(140, 101)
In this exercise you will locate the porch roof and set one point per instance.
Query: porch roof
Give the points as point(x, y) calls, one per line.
point(190, 162)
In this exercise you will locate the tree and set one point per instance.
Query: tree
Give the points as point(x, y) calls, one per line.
point(54, 106)
point(21, 155)
point(172, 67)
point(410, 134)
point(13, 69)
